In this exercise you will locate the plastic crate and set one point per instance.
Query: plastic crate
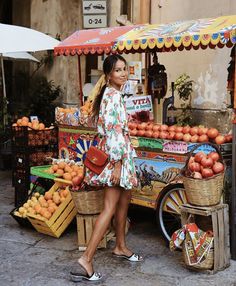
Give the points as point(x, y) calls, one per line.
point(59, 221)
point(23, 136)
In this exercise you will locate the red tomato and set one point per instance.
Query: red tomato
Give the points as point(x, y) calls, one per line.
point(179, 135)
point(156, 127)
point(228, 138)
point(132, 125)
point(148, 133)
point(133, 132)
point(194, 167)
point(218, 167)
point(206, 173)
point(187, 137)
point(163, 135)
point(186, 129)
point(142, 126)
point(198, 156)
point(214, 156)
point(171, 135)
point(194, 138)
point(172, 128)
point(164, 127)
point(179, 129)
point(212, 133)
point(194, 130)
point(220, 139)
point(149, 126)
point(140, 132)
point(203, 138)
point(207, 162)
point(202, 130)
point(155, 134)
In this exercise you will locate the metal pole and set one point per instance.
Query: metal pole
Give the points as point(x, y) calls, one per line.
point(80, 81)
point(4, 94)
point(233, 191)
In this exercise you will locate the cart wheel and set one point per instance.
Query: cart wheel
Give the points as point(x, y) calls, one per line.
point(167, 212)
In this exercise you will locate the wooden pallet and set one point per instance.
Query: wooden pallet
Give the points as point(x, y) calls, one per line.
point(219, 219)
point(59, 221)
point(85, 225)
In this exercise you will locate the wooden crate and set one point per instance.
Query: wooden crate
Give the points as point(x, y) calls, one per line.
point(61, 218)
point(219, 223)
point(85, 225)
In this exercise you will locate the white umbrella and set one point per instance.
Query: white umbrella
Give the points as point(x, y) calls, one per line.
point(19, 56)
point(20, 39)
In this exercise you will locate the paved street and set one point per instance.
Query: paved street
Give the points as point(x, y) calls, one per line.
point(29, 258)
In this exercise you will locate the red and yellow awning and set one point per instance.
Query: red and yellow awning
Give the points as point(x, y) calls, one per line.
point(194, 34)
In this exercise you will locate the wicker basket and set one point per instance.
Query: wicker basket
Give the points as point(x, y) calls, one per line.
point(207, 263)
point(88, 202)
point(203, 192)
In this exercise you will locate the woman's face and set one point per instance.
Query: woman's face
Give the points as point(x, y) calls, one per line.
point(119, 75)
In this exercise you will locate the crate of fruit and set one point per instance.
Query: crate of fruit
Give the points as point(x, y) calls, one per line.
point(26, 133)
point(203, 176)
point(53, 212)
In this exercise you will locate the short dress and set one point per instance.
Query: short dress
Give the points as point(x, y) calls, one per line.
point(113, 126)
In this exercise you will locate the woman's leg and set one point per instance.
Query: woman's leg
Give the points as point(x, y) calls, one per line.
point(120, 223)
point(111, 198)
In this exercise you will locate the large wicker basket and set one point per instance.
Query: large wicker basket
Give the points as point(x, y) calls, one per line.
point(207, 263)
point(203, 192)
point(88, 201)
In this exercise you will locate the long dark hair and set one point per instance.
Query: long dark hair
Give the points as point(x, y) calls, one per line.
point(108, 66)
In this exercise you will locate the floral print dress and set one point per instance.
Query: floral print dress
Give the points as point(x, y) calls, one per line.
point(113, 126)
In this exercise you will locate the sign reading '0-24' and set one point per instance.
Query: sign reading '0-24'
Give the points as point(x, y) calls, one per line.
point(94, 14)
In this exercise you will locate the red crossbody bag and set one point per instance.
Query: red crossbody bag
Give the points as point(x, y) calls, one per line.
point(96, 159)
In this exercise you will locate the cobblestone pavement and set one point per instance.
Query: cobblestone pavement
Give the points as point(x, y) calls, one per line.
point(29, 258)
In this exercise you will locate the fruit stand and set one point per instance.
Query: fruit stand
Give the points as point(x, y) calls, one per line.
point(162, 154)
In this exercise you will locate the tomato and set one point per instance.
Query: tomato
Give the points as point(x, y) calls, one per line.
point(148, 133)
point(202, 130)
point(220, 139)
point(140, 132)
point(142, 126)
point(149, 126)
point(187, 137)
point(133, 132)
point(179, 129)
point(132, 125)
point(172, 128)
point(163, 135)
point(194, 138)
point(203, 138)
point(214, 156)
point(179, 136)
point(156, 127)
point(218, 167)
point(212, 133)
point(194, 130)
point(171, 135)
point(228, 138)
point(207, 172)
point(186, 129)
point(199, 155)
point(155, 134)
point(194, 167)
point(207, 162)
point(164, 127)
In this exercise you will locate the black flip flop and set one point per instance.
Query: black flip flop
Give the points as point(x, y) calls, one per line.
point(132, 258)
point(77, 277)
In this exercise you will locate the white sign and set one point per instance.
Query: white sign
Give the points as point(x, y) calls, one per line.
point(95, 21)
point(94, 7)
point(135, 70)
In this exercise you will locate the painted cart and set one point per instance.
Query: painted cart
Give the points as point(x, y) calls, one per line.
point(159, 161)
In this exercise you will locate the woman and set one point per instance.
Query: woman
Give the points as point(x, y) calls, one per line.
point(119, 176)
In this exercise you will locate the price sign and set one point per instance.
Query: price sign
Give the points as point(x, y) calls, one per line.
point(94, 14)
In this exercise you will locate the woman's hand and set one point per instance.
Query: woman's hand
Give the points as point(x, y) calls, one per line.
point(115, 177)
